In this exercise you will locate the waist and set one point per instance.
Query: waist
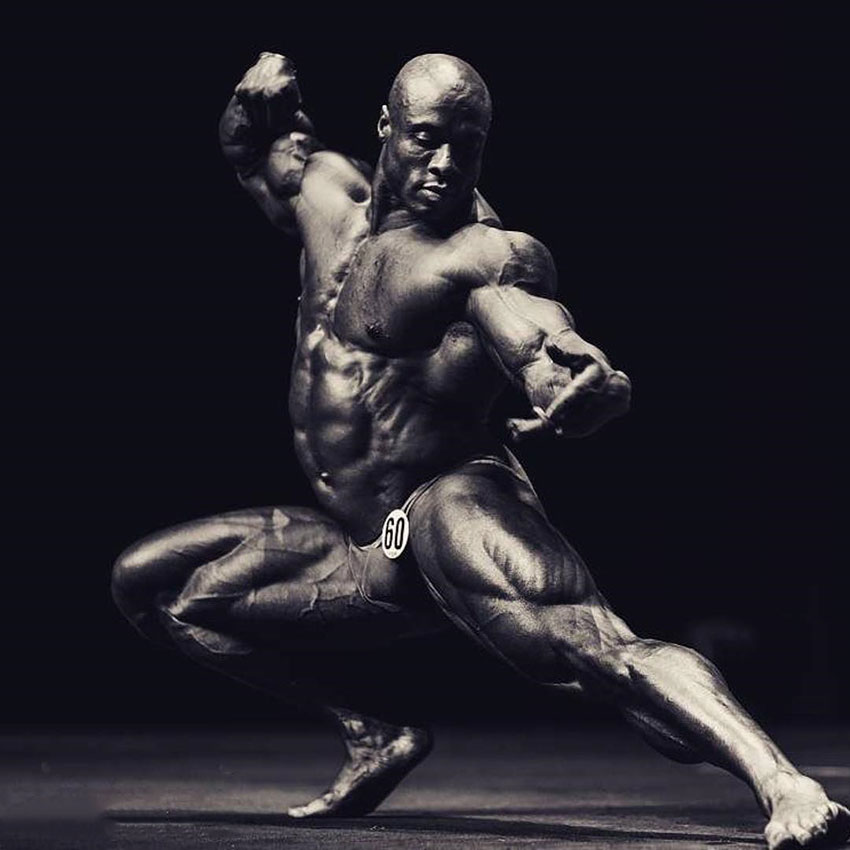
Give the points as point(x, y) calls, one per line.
point(359, 497)
point(507, 460)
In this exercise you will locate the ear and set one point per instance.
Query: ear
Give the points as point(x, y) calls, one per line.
point(384, 127)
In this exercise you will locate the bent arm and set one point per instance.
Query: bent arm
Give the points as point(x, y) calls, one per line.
point(569, 382)
point(266, 137)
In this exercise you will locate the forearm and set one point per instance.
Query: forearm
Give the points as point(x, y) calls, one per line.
point(519, 329)
point(569, 383)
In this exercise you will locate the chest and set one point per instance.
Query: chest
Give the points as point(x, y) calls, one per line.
point(386, 298)
point(398, 297)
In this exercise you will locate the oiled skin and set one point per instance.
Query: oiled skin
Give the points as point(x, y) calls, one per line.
point(416, 308)
point(390, 385)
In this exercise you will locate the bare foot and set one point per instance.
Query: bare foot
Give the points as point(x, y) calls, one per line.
point(801, 815)
point(379, 756)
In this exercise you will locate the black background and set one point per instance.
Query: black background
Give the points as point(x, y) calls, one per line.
point(679, 161)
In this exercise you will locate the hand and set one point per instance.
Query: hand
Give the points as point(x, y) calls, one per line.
point(269, 93)
point(595, 394)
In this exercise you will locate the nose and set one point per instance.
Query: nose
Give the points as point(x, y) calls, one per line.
point(442, 162)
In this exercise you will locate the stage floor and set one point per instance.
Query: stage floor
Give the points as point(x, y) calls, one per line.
point(481, 788)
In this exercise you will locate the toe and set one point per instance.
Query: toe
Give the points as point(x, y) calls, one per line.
point(817, 823)
point(839, 822)
point(778, 838)
point(800, 831)
point(311, 809)
point(813, 822)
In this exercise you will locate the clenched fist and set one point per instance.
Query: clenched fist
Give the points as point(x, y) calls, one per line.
point(269, 94)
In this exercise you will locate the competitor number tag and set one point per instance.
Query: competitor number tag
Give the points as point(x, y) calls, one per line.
point(395, 533)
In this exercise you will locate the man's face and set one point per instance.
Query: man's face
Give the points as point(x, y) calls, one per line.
point(434, 143)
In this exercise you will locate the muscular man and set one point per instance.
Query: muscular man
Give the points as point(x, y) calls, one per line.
point(416, 307)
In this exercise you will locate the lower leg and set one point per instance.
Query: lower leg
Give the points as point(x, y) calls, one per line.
point(231, 591)
point(683, 703)
point(676, 690)
point(378, 754)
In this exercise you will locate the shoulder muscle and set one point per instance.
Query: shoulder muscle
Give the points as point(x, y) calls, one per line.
point(486, 256)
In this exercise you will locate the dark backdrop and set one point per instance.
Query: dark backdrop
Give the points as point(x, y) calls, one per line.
point(677, 161)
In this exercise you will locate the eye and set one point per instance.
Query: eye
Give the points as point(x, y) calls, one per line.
point(424, 137)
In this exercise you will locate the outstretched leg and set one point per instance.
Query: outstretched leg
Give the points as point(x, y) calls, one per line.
point(261, 595)
point(504, 575)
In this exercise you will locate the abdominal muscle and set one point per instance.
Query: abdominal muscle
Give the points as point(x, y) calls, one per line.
point(369, 429)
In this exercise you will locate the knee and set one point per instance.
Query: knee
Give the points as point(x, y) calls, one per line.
point(140, 589)
point(651, 660)
point(594, 642)
point(123, 579)
point(134, 580)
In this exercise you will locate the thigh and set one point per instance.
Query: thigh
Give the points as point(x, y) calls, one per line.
point(499, 569)
point(163, 561)
point(285, 577)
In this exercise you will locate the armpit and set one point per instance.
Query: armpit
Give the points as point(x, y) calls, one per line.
point(330, 168)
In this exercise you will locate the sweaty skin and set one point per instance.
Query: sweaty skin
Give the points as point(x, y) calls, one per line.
point(416, 309)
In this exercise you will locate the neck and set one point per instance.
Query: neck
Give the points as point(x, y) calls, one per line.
point(389, 213)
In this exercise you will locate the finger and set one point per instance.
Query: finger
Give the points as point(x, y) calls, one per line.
point(567, 348)
point(270, 76)
point(523, 429)
point(593, 409)
point(589, 402)
point(588, 382)
point(249, 98)
point(249, 83)
point(275, 112)
point(620, 383)
point(280, 106)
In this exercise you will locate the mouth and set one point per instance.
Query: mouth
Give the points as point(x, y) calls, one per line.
point(434, 191)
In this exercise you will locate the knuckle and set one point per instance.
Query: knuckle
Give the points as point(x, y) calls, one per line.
point(244, 91)
point(128, 563)
point(620, 390)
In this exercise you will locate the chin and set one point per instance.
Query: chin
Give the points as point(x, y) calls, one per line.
point(444, 211)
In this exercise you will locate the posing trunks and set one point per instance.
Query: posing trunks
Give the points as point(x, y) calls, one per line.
point(393, 545)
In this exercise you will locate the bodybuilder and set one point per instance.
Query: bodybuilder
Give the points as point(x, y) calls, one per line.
point(416, 308)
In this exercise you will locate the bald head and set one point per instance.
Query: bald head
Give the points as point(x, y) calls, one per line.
point(438, 77)
point(434, 127)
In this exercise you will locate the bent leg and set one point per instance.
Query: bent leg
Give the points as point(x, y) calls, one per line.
point(264, 596)
point(507, 577)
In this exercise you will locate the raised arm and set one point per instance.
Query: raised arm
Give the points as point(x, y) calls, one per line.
point(569, 383)
point(267, 138)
